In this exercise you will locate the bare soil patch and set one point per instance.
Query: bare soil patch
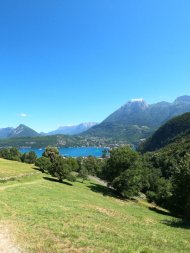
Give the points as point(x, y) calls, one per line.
point(6, 243)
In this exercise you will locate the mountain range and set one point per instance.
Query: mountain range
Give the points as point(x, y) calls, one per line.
point(25, 131)
point(137, 120)
point(132, 123)
point(72, 130)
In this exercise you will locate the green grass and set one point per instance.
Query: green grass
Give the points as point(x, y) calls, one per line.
point(46, 216)
point(13, 169)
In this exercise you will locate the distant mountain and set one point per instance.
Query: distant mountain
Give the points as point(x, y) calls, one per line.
point(20, 131)
point(25, 131)
point(72, 130)
point(132, 123)
point(173, 130)
point(137, 120)
point(5, 132)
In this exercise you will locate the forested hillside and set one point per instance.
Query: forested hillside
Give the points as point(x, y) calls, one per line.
point(176, 128)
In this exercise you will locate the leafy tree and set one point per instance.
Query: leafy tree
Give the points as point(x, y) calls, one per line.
point(168, 178)
point(120, 160)
point(83, 173)
point(161, 193)
point(72, 162)
point(60, 169)
point(15, 154)
point(129, 183)
point(180, 200)
point(51, 153)
point(79, 162)
point(10, 154)
point(44, 164)
point(5, 153)
point(124, 171)
point(29, 157)
point(101, 163)
point(91, 165)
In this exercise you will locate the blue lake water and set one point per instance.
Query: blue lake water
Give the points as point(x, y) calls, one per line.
point(72, 152)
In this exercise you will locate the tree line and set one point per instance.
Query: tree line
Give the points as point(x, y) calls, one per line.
point(163, 175)
point(63, 168)
point(15, 155)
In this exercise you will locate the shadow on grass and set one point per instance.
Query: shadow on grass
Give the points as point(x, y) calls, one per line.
point(105, 191)
point(160, 211)
point(172, 223)
point(57, 181)
point(36, 168)
point(177, 223)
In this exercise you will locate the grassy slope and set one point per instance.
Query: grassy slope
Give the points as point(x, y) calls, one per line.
point(47, 216)
point(8, 170)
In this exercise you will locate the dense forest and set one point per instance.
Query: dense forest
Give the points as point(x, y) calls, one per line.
point(175, 129)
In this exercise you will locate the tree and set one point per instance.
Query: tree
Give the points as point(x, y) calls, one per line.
point(124, 171)
point(169, 177)
point(44, 164)
point(180, 200)
point(60, 169)
point(29, 157)
point(121, 159)
point(11, 154)
point(160, 192)
point(72, 163)
point(15, 154)
point(79, 162)
point(91, 165)
point(83, 173)
point(51, 153)
point(5, 153)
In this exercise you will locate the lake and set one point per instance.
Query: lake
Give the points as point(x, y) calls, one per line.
point(72, 152)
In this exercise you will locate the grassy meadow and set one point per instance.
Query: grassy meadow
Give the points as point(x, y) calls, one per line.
point(46, 216)
point(14, 169)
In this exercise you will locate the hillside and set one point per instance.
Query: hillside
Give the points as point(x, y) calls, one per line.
point(137, 120)
point(40, 141)
point(42, 215)
point(54, 140)
point(176, 129)
point(5, 132)
point(11, 169)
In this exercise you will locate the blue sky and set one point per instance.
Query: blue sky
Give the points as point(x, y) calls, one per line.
point(72, 61)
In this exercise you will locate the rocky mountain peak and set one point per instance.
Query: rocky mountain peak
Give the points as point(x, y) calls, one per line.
point(137, 103)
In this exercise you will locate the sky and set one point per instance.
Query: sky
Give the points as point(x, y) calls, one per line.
point(64, 62)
